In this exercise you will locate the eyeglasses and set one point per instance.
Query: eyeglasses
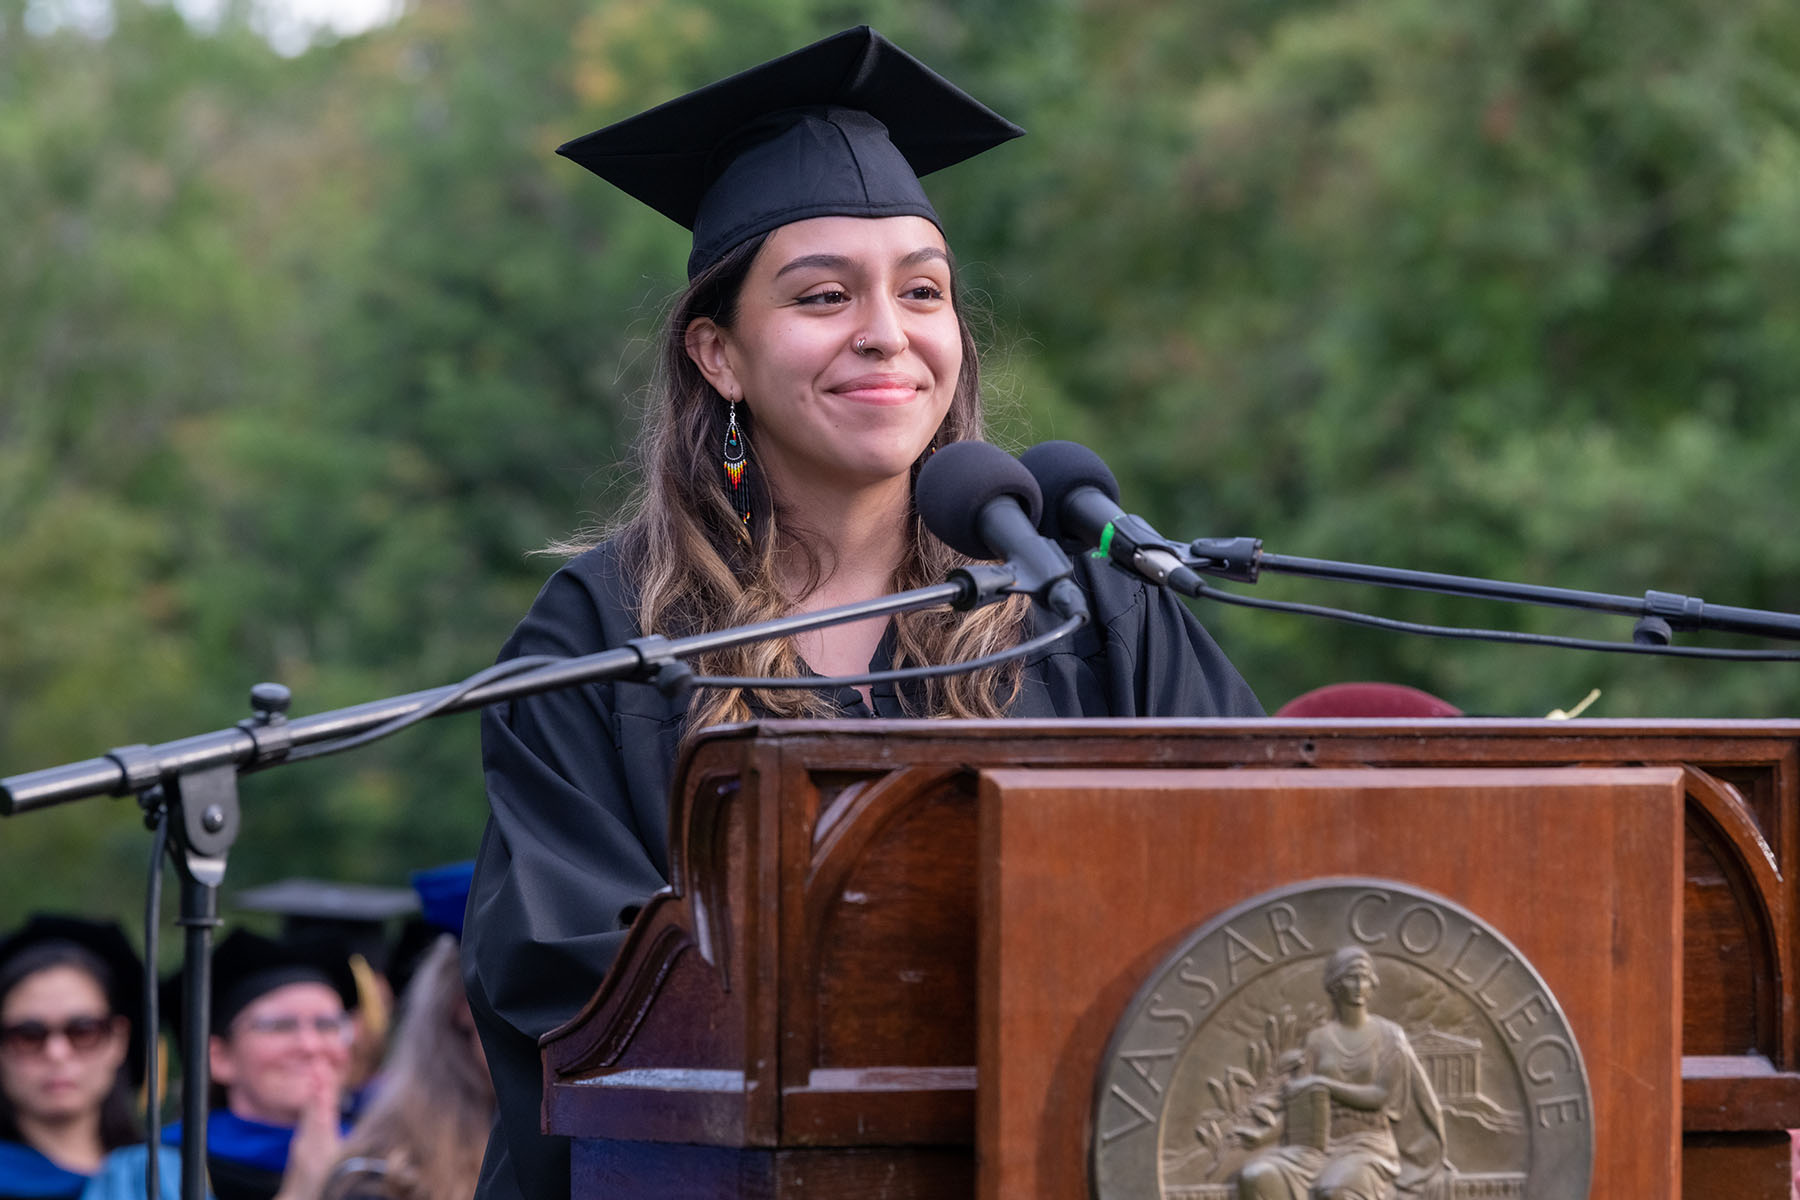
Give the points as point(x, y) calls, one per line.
point(337, 1027)
point(30, 1037)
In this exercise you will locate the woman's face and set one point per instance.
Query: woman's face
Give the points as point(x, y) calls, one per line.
point(281, 1050)
point(828, 414)
point(60, 1044)
point(1352, 988)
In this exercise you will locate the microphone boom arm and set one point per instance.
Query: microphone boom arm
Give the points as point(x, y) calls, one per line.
point(1243, 559)
point(258, 744)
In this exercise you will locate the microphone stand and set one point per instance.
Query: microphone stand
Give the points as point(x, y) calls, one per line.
point(192, 783)
point(1659, 614)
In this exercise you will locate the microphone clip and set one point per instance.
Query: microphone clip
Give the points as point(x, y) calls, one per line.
point(1227, 558)
point(982, 584)
point(1129, 539)
point(659, 667)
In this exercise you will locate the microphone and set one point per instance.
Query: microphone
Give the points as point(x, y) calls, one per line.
point(978, 500)
point(1081, 505)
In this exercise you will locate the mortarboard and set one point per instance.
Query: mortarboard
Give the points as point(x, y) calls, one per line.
point(247, 966)
point(350, 915)
point(843, 127)
point(105, 941)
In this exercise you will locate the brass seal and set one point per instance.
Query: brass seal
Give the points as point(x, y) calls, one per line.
point(1344, 1039)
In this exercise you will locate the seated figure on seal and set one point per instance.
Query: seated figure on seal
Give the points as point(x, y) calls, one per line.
point(1362, 1121)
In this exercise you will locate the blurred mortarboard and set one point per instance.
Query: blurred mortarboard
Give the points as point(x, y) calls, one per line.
point(843, 127)
point(353, 916)
point(106, 942)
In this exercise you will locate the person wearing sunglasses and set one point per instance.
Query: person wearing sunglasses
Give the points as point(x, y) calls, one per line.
point(279, 1054)
point(71, 1059)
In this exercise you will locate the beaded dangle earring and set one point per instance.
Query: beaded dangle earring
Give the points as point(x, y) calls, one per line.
point(734, 467)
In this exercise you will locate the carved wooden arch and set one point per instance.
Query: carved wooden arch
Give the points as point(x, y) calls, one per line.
point(897, 821)
point(1722, 822)
point(857, 817)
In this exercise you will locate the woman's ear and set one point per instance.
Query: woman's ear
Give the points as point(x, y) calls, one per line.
point(707, 345)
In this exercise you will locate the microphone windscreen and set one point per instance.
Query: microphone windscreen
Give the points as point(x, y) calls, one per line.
point(1060, 468)
point(960, 481)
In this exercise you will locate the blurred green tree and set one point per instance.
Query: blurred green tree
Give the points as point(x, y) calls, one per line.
point(302, 357)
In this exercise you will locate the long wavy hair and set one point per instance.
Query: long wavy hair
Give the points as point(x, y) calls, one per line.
point(119, 1125)
point(422, 1136)
point(698, 567)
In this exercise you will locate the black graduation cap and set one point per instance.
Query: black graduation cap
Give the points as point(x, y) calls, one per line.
point(352, 916)
point(105, 941)
point(843, 127)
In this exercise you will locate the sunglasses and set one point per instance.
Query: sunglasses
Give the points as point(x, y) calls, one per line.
point(30, 1037)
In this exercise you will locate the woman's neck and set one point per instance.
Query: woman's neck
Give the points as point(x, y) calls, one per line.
point(859, 543)
point(72, 1143)
point(858, 540)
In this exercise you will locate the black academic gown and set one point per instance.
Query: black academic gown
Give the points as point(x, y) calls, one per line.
point(578, 782)
point(240, 1181)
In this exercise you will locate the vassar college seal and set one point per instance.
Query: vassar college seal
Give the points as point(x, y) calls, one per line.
point(1345, 1038)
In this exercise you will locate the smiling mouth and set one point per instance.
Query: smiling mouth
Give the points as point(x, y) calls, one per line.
point(885, 389)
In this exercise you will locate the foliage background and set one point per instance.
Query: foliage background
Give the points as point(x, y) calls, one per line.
point(301, 356)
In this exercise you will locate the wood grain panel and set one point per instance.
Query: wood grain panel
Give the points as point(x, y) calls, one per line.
point(768, 847)
point(1088, 877)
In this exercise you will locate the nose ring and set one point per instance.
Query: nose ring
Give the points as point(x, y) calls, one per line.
point(861, 344)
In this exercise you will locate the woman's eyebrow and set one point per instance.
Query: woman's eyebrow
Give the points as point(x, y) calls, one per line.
point(924, 254)
point(843, 262)
point(831, 262)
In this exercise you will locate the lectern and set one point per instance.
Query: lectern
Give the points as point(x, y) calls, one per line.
point(1099, 959)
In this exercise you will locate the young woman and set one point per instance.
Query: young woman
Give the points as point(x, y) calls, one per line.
point(818, 356)
point(69, 993)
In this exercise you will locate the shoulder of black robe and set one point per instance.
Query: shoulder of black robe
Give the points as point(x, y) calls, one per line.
point(578, 784)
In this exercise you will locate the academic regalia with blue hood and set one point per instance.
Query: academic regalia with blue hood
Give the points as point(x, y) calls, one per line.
point(25, 1173)
point(245, 1159)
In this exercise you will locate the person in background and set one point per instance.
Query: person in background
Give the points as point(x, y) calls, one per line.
point(70, 1060)
point(351, 919)
point(279, 1054)
point(422, 1134)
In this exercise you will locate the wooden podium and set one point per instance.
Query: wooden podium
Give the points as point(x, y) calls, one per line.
point(894, 954)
